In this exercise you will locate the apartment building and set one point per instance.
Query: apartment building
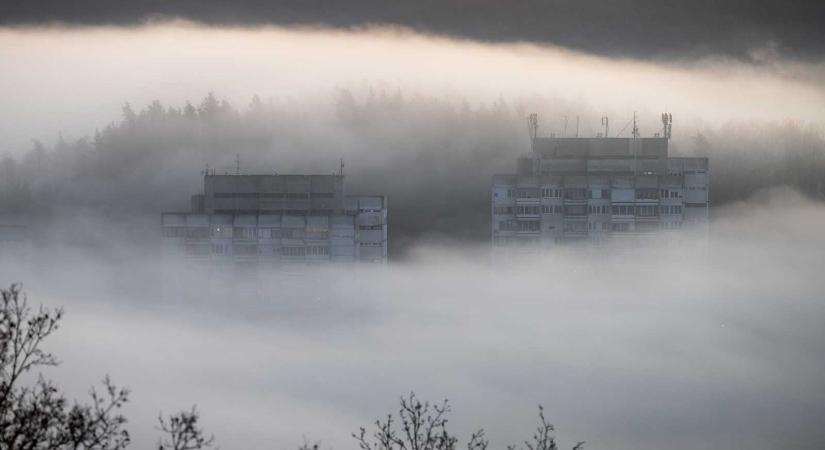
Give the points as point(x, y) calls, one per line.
point(273, 220)
point(598, 189)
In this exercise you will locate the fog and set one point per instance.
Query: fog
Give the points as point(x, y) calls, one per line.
point(447, 113)
point(75, 79)
point(706, 345)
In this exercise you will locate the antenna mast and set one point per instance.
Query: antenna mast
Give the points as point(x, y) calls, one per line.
point(564, 133)
point(635, 126)
point(667, 124)
point(533, 125)
point(237, 163)
point(577, 126)
point(606, 123)
point(342, 167)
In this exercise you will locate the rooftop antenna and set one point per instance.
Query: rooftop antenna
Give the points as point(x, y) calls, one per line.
point(342, 167)
point(206, 170)
point(564, 134)
point(606, 123)
point(533, 125)
point(667, 124)
point(237, 163)
point(635, 126)
point(577, 126)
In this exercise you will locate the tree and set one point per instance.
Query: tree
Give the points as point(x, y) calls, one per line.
point(38, 417)
point(543, 439)
point(423, 426)
point(182, 432)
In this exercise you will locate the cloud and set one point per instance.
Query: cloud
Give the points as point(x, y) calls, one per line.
point(76, 79)
point(713, 344)
point(639, 28)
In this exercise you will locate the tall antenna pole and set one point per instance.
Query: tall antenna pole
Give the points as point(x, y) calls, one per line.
point(635, 126)
point(564, 133)
point(606, 123)
point(577, 126)
point(667, 124)
point(237, 163)
point(342, 167)
point(533, 125)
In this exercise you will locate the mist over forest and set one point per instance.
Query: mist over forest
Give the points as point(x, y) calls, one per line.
point(695, 342)
point(432, 156)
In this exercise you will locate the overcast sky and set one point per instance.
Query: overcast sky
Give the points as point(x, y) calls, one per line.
point(638, 28)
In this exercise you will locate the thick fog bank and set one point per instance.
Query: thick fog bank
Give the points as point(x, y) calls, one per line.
point(716, 344)
point(433, 157)
point(123, 126)
point(75, 79)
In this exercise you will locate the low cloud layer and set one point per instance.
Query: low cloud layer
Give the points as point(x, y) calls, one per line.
point(702, 346)
point(76, 79)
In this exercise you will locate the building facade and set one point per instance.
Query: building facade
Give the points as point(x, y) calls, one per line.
point(271, 220)
point(595, 189)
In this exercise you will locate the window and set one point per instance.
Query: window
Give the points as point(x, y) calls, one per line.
point(370, 227)
point(620, 227)
point(244, 233)
point(575, 210)
point(503, 210)
point(245, 250)
point(575, 194)
point(605, 193)
point(546, 209)
point(647, 194)
point(575, 227)
point(221, 231)
point(264, 233)
point(197, 232)
point(646, 210)
point(625, 210)
point(507, 225)
point(509, 193)
point(317, 250)
point(529, 226)
point(292, 251)
point(527, 210)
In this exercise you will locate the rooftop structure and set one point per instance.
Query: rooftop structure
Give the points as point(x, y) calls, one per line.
point(270, 220)
point(593, 189)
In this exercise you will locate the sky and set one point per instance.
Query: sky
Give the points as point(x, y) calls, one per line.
point(636, 28)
